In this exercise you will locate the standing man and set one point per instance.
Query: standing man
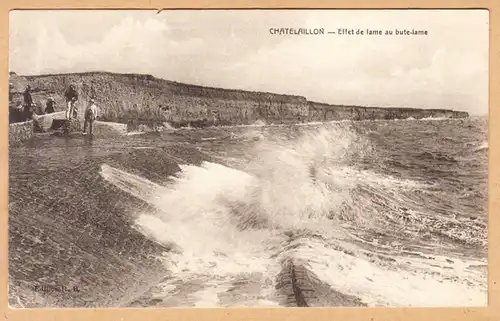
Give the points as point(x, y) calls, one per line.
point(71, 99)
point(28, 103)
point(28, 100)
point(90, 116)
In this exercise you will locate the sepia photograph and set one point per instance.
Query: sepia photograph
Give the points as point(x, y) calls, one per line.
point(248, 158)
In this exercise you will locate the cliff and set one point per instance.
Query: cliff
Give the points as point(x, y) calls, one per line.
point(325, 112)
point(142, 98)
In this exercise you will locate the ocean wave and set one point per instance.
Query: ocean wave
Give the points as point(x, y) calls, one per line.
point(405, 282)
point(210, 138)
point(436, 118)
point(206, 241)
point(296, 207)
point(144, 128)
point(134, 133)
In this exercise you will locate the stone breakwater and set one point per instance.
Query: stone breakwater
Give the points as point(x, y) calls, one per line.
point(143, 98)
point(20, 132)
point(298, 286)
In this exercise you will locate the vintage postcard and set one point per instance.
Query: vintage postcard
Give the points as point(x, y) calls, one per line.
point(248, 158)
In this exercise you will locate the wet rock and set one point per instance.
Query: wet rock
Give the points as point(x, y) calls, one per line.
point(300, 287)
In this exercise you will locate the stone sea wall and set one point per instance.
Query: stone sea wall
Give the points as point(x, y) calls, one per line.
point(130, 97)
point(20, 132)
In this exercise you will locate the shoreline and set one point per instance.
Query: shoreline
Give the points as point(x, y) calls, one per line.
point(21, 132)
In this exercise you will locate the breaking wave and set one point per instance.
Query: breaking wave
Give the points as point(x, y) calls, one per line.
point(302, 205)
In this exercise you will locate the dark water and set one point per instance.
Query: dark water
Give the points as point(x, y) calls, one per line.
point(383, 213)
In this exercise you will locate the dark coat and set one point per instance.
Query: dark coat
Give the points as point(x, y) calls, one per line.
point(50, 107)
point(28, 100)
point(71, 94)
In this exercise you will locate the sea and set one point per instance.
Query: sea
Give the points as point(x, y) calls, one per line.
point(367, 213)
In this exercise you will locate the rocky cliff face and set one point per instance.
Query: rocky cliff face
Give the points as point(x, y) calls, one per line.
point(131, 97)
point(324, 112)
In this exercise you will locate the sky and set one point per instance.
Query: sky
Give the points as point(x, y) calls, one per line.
point(448, 68)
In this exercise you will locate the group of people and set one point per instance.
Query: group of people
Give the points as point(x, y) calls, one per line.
point(23, 111)
point(71, 95)
point(30, 107)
